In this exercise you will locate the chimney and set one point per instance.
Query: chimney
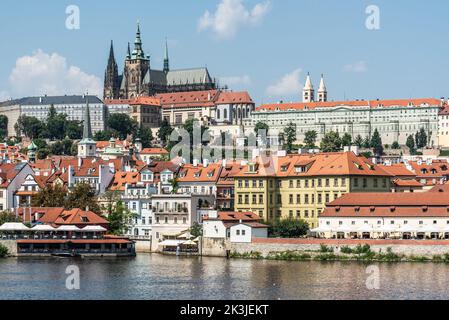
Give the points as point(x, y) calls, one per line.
point(195, 162)
point(87, 208)
point(224, 163)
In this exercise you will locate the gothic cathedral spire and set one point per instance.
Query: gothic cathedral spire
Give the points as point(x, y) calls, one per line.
point(322, 91)
point(308, 93)
point(166, 59)
point(111, 78)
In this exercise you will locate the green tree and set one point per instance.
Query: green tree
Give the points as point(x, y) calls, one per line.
point(395, 145)
point(3, 251)
point(3, 126)
point(74, 130)
point(119, 218)
point(288, 228)
point(174, 185)
point(164, 132)
point(146, 137)
point(30, 127)
point(122, 124)
point(55, 124)
point(358, 141)
point(421, 139)
point(43, 153)
point(261, 130)
point(6, 216)
point(346, 140)
point(310, 139)
point(366, 143)
point(82, 195)
point(196, 230)
point(105, 135)
point(411, 144)
point(331, 142)
point(290, 136)
point(376, 143)
point(50, 196)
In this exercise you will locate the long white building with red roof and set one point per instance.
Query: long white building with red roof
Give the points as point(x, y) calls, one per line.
point(394, 119)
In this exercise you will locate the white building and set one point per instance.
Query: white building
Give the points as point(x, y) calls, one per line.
point(394, 215)
point(39, 107)
point(238, 227)
point(12, 178)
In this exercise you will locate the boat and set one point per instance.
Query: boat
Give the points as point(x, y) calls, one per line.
point(66, 255)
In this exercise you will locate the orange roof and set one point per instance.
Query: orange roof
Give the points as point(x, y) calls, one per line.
point(407, 183)
point(236, 217)
point(8, 171)
point(388, 205)
point(228, 172)
point(190, 173)
point(228, 97)
point(358, 103)
point(440, 188)
point(321, 164)
point(147, 101)
point(154, 151)
point(122, 178)
point(193, 98)
point(437, 169)
point(398, 170)
point(44, 215)
point(79, 217)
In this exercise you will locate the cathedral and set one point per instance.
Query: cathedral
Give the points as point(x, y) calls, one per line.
point(138, 79)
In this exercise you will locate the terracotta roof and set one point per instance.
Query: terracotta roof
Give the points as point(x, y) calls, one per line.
point(184, 99)
point(190, 173)
point(228, 173)
point(122, 178)
point(398, 170)
point(228, 97)
point(8, 171)
point(407, 183)
point(388, 205)
point(444, 111)
point(360, 103)
point(148, 101)
point(79, 217)
point(437, 169)
point(154, 151)
point(236, 217)
point(440, 188)
point(44, 215)
point(321, 164)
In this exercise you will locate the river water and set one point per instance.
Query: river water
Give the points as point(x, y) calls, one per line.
point(167, 278)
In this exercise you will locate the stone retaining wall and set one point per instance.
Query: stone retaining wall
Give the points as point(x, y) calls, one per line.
point(11, 245)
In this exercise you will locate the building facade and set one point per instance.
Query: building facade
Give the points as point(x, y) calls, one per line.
point(395, 120)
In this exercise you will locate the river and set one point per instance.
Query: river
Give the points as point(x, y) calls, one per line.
point(167, 278)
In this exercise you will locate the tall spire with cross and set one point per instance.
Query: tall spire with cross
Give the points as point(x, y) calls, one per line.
point(166, 58)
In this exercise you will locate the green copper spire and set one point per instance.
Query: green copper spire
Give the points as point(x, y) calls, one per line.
point(138, 51)
point(166, 59)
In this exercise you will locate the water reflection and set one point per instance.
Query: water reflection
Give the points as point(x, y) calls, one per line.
point(161, 277)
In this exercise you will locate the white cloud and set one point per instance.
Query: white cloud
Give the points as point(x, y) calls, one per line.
point(289, 84)
point(359, 66)
point(244, 80)
point(4, 96)
point(43, 73)
point(230, 16)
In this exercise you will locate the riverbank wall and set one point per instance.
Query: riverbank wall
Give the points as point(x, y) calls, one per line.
point(11, 245)
point(264, 248)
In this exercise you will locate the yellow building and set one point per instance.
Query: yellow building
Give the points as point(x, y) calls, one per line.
point(299, 186)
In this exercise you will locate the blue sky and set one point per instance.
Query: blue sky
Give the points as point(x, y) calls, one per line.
point(254, 45)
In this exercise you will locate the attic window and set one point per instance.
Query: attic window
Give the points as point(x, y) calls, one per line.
point(392, 209)
point(357, 209)
point(284, 168)
point(372, 209)
point(358, 166)
point(337, 209)
point(425, 208)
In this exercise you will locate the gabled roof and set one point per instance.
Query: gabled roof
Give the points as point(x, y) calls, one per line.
point(236, 217)
point(193, 98)
point(229, 97)
point(398, 170)
point(78, 216)
point(155, 151)
point(122, 178)
point(190, 173)
point(8, 171)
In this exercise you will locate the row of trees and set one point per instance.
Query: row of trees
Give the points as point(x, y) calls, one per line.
point(419, 141)
point(55, 127)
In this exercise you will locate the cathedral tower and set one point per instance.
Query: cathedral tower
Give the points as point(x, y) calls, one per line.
point(166, 60)
point(308, 93)
point(136, 68)
point(111, 77)
point(322, 91)
point(87, 146)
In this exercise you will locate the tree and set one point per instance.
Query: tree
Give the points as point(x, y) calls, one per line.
point(366, 143)
point(55, 124)
point(105, 135)
point(395, 145)
point(261, 130)
point(346, 140)
point(358, 141)
point(74, 129)
point(6, 216)
point(3, 126)
point(174, 185)
point(30, 127)
point(310, 139)
point(62, 148)
point(421, 139)
point(82, 196)
point(146, 137)
point(410, 144)
point(290, 136)
point(288, 228)
point(119, 218)
point(331, 142)
point(164, 132)
point(196, 230)
point(50, 196)
point(122, 124)
point(42, 154)
point(376, 143)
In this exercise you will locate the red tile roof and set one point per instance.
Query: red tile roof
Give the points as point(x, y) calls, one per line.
point(155, 151)
point(122, 178)
point(228, 97)
point(236, 217)
point(398, 170)
point(407, 183)
point(186, 99)
point(190, 173)
point(361, 103)
point(147, 101)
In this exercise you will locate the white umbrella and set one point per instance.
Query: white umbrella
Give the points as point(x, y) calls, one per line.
point(365, 228)
point(385, 228)
point(43, 227)
point(430, 229)
point(94, 229)
point(321, 229)
point(407, 229)
point(342, 229)
point(14, 226)
point(68, 228)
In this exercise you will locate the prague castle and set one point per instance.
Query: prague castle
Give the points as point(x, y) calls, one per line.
point(139, 79)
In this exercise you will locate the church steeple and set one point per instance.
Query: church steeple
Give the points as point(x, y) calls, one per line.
point(87, 146)
point(128, 55)
point(322, 91)
point(138, 51)
point(308, 93)
point(111, 78)
point(166, 59)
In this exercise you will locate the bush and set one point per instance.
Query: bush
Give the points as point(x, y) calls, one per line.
point(326, 249)
point(3, 251)
point(362, 249)
point(346, 250)
point(288, 228)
